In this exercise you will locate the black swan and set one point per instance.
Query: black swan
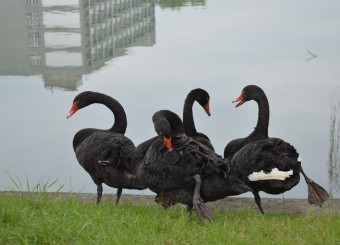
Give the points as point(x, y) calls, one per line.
point(184, 170)
point(105, 154)
point(203, 98)
point(268, 164)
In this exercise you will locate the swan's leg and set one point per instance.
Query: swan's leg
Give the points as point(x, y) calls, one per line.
point(201, 209)
point(99, 193)
point(119, 193)
point(258, 200)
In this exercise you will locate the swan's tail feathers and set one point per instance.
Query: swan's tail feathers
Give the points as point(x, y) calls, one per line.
point(317, 195)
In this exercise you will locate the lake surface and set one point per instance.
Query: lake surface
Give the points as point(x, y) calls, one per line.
point(148, 55)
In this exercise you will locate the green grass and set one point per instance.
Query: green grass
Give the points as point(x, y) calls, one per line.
point(42, 219)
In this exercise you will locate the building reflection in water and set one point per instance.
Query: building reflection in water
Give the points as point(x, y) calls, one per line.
point(334, 149)
point(63, 42)
point(178, 4)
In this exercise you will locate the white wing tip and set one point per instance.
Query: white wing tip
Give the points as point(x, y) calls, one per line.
point(275, 174)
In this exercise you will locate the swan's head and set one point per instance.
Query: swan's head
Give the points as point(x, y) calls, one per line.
point(250, 92)
point(82, 100)
point(203, 98)
point(163, 129)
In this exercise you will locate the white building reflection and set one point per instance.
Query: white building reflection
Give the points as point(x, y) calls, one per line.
point(62, 40)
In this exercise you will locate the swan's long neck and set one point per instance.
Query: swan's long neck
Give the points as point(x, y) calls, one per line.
point(263, 116)
point(188, 119)
point(120, 123)
point(176, 124)
point(260, 131)
point(174, 120)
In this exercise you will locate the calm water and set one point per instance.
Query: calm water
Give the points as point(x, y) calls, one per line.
point(149, 55)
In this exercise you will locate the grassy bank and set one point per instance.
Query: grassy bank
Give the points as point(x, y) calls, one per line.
point(41, 219)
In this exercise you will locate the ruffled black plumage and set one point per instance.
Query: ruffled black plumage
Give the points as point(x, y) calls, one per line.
point(175, 173)
point(203, 98)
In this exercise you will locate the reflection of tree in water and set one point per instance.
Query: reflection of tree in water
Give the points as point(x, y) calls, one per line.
point(177, 4)
point(334, 149)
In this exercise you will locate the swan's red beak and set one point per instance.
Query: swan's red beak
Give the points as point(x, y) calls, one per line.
point(73, 109)
point(240, 98)
point(207, 108)
point(168, 143)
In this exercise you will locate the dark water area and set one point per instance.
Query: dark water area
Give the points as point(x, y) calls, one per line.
point(148, 55)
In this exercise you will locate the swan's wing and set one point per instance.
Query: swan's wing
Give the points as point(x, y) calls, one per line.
point(141, 150)
point(105, 149)
point(265, 155)
point(204, 141)
point(283, 155)
point(159, 169)
point(232, 147)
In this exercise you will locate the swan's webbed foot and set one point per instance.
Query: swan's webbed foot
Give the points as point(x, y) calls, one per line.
point(317, 195)
point(119, 193)
point(202, 211)
point(200, 207)
point(99, 193)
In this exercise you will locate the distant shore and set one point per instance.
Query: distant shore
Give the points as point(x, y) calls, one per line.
point(270, 205)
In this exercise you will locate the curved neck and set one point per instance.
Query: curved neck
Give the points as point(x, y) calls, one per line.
point(263, 115)
point(120, 123)
point(188, 118)
point(174, 120)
